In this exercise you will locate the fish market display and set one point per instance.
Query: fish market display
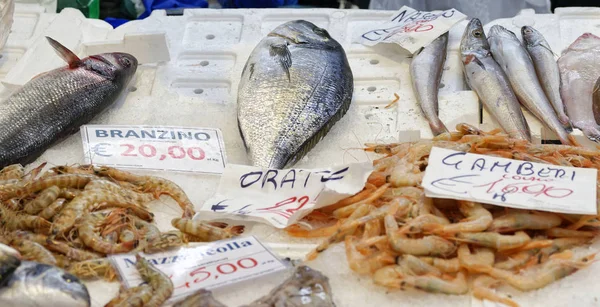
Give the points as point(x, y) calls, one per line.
point(78, 215)
point(510, 54)
point(55, 104)
point(296, 85)
point(402, 239)
point(426, 72)
point(578, 76)
point(487, 79)
point(306, 287)
point(546, 69)
point(35, 284)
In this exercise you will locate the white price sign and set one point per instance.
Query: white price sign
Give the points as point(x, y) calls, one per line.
point(181, 149)
point(510, 183)
point(204, 267)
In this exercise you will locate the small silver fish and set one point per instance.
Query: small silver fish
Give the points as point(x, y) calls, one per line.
point(32, 284)
point(296, 85)
point(305, 288)
point(426, 72)
point(512, 57)
point(487, 79)
point(546, 69)
point(578, 74)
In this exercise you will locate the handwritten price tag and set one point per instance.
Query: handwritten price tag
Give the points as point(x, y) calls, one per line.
point(155, 148)
point(281, 197)
point(412, 29)
point(510, 183)
point(204, 267)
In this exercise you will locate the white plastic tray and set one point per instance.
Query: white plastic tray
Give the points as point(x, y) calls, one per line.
point(207, 50)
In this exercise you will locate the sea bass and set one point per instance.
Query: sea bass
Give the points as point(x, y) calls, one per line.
point(512, 57)
point(35, 284)
point(546, 69)
point(295, 85)
point(487, 79)
point(426, 72)
point(55, 104)
point(578, 74)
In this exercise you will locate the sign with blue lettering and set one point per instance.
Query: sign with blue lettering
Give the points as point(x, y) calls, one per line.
point(180, 149)
point(282, 197)
point(207, 266)
point(510, 183)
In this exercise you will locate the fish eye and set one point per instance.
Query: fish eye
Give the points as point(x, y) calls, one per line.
point(320, 31)
point(125, 62)
point(477, 33)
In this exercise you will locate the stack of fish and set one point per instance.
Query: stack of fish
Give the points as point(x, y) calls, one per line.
point(505, 72)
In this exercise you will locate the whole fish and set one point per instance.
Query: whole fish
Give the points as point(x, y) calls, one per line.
point(36, 284)
point(56, 103)
point(578, 74)
point(426, 72)
point(510, 54)
point(296, 85)
point(487, 79)
point(546, 69)
point(305, 288)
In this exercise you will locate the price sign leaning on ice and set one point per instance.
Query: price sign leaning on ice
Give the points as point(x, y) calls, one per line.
point(155, 147)
point(281, 197)
point(204, 267)
point(412, 29)
point(510, 183)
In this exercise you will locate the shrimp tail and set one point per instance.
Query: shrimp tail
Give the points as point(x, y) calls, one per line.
point(236, 229)
point(480, 268)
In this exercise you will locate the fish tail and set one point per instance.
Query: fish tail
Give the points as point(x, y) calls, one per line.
point(437, 127)
point(566, 123)
point(592, 133)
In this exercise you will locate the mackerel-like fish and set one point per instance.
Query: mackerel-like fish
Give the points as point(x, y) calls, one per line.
point(578, 74)
point(426, 72)
point(56, 103)
point(487, 79)
point(546, 69)
point(512, 57)
point(296, 84)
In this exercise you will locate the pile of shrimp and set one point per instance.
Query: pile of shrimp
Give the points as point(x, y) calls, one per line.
point(403, 239)
point(75, 216)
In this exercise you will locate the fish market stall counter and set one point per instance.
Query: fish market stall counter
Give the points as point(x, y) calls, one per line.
point(214, 77)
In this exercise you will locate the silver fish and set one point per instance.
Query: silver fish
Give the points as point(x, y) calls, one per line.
point(426, 72)
point(36, 284)
point(487, 79)
point(578, 74)
point(202, 298)
point(55, 104)
point(512, 57)
point(305, 288)
point(296, 85)
point(546, 69)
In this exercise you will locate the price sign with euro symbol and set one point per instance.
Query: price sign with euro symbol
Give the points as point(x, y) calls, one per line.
point(181, 149)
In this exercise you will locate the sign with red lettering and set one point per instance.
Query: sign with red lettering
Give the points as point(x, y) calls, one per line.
point(179, 149)
point(281, 197)
point(207, 266)
point(510, 183)
point(412, 29)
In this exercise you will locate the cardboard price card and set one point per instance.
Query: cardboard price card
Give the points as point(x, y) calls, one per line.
point(412, 29)
point(204, 267)
point(510, 183)
point(181, 149)
point(282, 197)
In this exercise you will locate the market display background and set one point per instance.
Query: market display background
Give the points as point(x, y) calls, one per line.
point(198, 88)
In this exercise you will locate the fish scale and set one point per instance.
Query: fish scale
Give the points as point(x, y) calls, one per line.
point(55, 104)
point(285, 108)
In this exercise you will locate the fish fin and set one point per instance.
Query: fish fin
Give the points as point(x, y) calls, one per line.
point(242, 135)
point(282, 54)
point(592, 133)
point(64, 53)
point(251, 68)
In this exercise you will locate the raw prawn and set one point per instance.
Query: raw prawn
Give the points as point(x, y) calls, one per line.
point(204, 231)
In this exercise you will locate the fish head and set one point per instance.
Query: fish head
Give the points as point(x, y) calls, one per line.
point(500, 32)
point(302, 32)
point(531, 36)
point(116, 66)
point(474, 38)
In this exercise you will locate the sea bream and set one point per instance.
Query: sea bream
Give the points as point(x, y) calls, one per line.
point(488, 80)
point(295, 86)
point(546, 69)
point(54, 104)
point(426, 72)
point(578, 74)
point(512, 57)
